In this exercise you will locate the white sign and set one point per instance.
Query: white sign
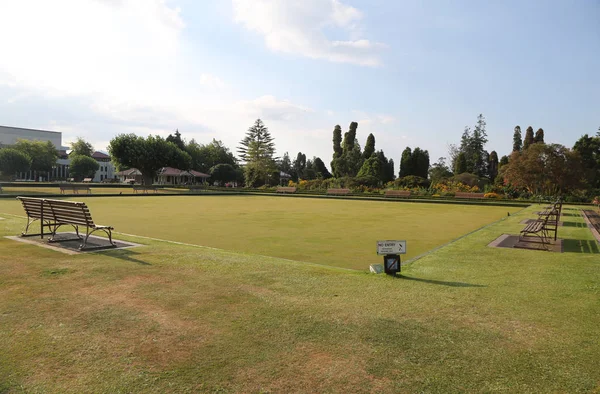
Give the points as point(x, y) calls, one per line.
point(391, 247)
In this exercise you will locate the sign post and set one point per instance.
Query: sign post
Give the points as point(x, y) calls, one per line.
point(391, 251)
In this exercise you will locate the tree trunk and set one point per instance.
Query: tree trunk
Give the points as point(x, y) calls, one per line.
point(147, 179)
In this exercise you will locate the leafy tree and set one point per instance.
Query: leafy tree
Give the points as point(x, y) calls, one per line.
point(81, 148)
point(43, 154)
point(372, 167)
point(257, 149)
point(517, 140)
point(337, 150)
point(13, 161)
point(369, 147)
point(351, 160)
point(539, 136)
point(529, 138)
point(299, 167)
point(320, 169)
point(420, 163)
point(589, 151)
point(82, 167)
point(406, 163)
point(461, 164)
point(493, 166)
point(387, 168)
point(148, 155)
point(176, 139)
point(546, 169)
point(472, 145)
point(503, 161)
point(223, 173)
point(204, 157)
point(439, 171)
point(285, 164)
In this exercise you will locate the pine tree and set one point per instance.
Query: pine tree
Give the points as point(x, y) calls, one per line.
point(517, 140)
point(461, 164)
point(529, 139)
point(176, 139)
point(539, 136)
point(257, 150)
point(369, 147)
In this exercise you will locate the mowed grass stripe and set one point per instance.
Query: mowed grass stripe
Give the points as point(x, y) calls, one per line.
point(339, 233)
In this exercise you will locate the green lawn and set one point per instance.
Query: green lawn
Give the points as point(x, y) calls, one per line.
point(341, 233)
point(176, 318)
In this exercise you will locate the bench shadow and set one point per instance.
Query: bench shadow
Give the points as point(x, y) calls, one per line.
point(586, 246)
point(574, 224)
point(439, 282)
point(570, 214)
point(126, 255)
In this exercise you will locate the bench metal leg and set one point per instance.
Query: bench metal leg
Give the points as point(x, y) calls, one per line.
point(108, 232)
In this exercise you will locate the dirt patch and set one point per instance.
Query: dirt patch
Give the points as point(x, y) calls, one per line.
point(531, 243)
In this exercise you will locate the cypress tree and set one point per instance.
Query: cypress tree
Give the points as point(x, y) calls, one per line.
point(369, 147)
point(406, 163)
point(493, 165)
point(517, 140)
point(539, 136)
point(529, 139)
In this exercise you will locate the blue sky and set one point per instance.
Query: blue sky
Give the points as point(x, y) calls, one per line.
point(413, 73)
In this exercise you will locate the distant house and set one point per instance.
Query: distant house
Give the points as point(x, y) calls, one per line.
point(106, 170)
point(175, 176)
point(132, 175)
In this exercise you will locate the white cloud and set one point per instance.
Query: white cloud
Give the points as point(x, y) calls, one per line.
point(212, 81)
point(298, 27)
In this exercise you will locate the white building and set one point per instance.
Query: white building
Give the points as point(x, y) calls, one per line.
point(10, 135)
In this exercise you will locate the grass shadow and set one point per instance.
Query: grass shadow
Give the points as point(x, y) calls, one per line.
point(439, 282)
point(587, 246)
point(125, 254)
point(575, 224)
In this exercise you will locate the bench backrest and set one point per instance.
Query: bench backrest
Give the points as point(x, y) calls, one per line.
point(398, 193)
point(286, 189)
point(33, 207)
point(469, 195)
point(71, 212)
point(338, 191)
point(59, 211)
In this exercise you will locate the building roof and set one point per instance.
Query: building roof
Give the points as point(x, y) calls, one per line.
point(100, 155)
point(129, 172)
point(199, 174)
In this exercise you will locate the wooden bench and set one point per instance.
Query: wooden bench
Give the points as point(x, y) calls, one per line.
point(540, 228)
point(284, 189)
point(338, 192)
point(87, 180)
point(74, 189)
point(144, 189)
point(0, 189)
point(468, 195)
point(56, 213)
point(397, 193)
point(556, 206)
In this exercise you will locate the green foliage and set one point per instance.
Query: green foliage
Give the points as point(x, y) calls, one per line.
point(81, 148)
point(469, 180)
point(369, 147)
point(529, 138)
point(547, 169)
point(350, 160)
point(472, 146)
point(299, 167)
point(503, 161)
point(337, 141)
point(43, 154)
point(412, 181)
point(420, 163)
point(372, 167)
point(517, 140)
point(82, 167)
point(589, 151)
point(320, 169)
point(205, 157)
point(223, 173)
point(406, 163)
point(285, 164)
point(439, 171)
point(13, 161)
point(176, 139)
point(539, 136)
point(493, 166)
point(148, 155)
point(257, 150)
point(461, 163)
